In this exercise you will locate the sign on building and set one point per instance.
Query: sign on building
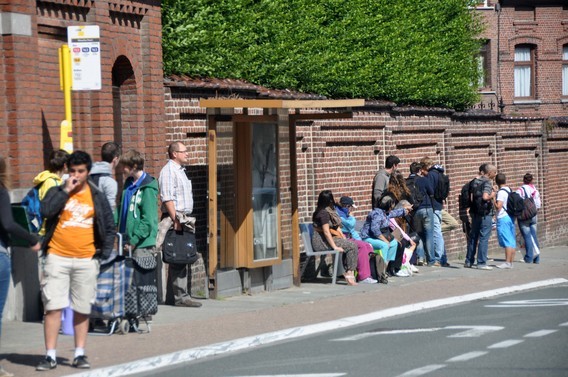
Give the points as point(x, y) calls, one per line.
point(84, 44)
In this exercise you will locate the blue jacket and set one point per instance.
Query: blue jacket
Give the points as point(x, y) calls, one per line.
point(427, 190)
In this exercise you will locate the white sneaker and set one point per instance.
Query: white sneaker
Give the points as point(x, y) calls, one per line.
point(368, 280)
point(414, 269)
point(505, 265)
point(486, 268)
point(403, 273)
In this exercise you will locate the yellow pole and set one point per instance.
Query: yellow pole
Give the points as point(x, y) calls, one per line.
point(65, 81)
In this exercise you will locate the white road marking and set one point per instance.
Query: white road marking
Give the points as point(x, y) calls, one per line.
point(421, 371)
point(506, 343)
point(473, 331)
point(563, 324)
point(540, 333)
point(467, 356)
point(531, 303)
point(389, 332)
point(184, 356)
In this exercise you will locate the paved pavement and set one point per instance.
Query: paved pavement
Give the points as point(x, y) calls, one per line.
point(174, 329)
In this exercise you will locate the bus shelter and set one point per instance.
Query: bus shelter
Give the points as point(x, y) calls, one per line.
point(253, 221)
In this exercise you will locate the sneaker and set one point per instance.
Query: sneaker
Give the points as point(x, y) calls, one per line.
point(81, 362)
point(420, 262)
point(466, 265)
point(47, 364)
point(403, 273)
point(189, 303)
point(486, 268)
point(445, 264)
point(436, 264)
point(368, 280)
point(414, 269)
point(505, 265)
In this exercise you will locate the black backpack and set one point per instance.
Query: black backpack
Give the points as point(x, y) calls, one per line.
point(417, 197)
point(465, 199)
point(479, 206)
point(442, 189)
point(515, 204)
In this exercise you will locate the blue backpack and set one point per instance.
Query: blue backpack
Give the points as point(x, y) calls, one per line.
point(31, 203)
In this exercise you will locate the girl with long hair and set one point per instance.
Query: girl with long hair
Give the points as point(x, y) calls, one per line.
point(328, 235)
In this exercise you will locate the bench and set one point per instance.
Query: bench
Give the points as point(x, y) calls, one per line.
point(307, 230)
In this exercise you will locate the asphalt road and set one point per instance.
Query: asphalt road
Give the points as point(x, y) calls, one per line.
point(517, 335)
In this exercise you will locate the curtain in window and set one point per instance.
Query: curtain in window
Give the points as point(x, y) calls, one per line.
point(522, 73)
point(565, 71)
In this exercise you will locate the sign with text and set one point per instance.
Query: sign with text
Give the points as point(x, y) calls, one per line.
point(84, 44)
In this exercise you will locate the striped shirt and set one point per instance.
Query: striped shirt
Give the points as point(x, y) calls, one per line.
point(176, 187)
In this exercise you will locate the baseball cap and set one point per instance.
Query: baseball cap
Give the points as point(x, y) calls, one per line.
point(347, 201)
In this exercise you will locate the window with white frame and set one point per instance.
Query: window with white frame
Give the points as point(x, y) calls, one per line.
point(565, 70)
point(524, 71)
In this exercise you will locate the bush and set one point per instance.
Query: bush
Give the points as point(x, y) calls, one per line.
point(406, 51)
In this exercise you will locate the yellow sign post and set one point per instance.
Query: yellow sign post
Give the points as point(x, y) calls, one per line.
point(65, 81)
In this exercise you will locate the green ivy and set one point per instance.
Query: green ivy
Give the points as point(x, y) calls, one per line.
point(405, 51)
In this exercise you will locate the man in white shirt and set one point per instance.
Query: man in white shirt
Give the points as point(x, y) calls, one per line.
point(177, 202)
point(505, 224)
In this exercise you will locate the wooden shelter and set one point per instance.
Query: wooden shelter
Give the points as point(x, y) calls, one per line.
point(249, 143)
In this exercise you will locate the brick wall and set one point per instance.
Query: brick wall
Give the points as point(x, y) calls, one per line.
point(344, 155)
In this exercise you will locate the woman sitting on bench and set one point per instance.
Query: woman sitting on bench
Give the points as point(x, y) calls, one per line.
point(377, 230)
point(328, 235)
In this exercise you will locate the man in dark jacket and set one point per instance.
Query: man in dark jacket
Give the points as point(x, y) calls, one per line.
point(79, 231)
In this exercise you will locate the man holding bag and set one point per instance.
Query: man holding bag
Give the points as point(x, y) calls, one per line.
point(177, 204)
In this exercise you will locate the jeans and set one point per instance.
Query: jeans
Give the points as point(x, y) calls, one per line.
point(439, 246)
point(420, 249)
point(5, 269)
point(478, 239)
point(388, 250)
point(528, 230)
point(424, 226)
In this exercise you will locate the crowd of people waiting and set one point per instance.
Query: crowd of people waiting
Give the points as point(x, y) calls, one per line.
point(405, 227)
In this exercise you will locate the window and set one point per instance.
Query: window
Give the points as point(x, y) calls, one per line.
point(483, 62)
point(565, 70)
point(524, 72)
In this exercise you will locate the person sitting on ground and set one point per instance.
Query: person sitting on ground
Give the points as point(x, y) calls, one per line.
point(348, 223)
point(377, 230)
point(505, 223)
point(328, 235)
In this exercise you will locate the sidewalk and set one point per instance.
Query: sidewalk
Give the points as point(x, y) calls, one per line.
point(176, 328)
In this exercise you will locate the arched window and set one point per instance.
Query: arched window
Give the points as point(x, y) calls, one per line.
point(565, 70)
point(524, 71)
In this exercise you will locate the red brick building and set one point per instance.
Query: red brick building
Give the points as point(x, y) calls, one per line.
point(128, 109)
point(525, 56)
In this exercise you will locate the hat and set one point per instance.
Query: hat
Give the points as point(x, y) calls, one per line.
point(347, 201)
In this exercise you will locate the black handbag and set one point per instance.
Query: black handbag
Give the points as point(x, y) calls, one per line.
point(179, 247)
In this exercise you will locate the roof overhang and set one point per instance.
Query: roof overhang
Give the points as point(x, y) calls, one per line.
point(280, 103)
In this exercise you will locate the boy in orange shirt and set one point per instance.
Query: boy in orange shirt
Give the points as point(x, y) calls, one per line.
point(79, 231)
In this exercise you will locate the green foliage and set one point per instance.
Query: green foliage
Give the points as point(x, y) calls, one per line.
point(406, 51)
